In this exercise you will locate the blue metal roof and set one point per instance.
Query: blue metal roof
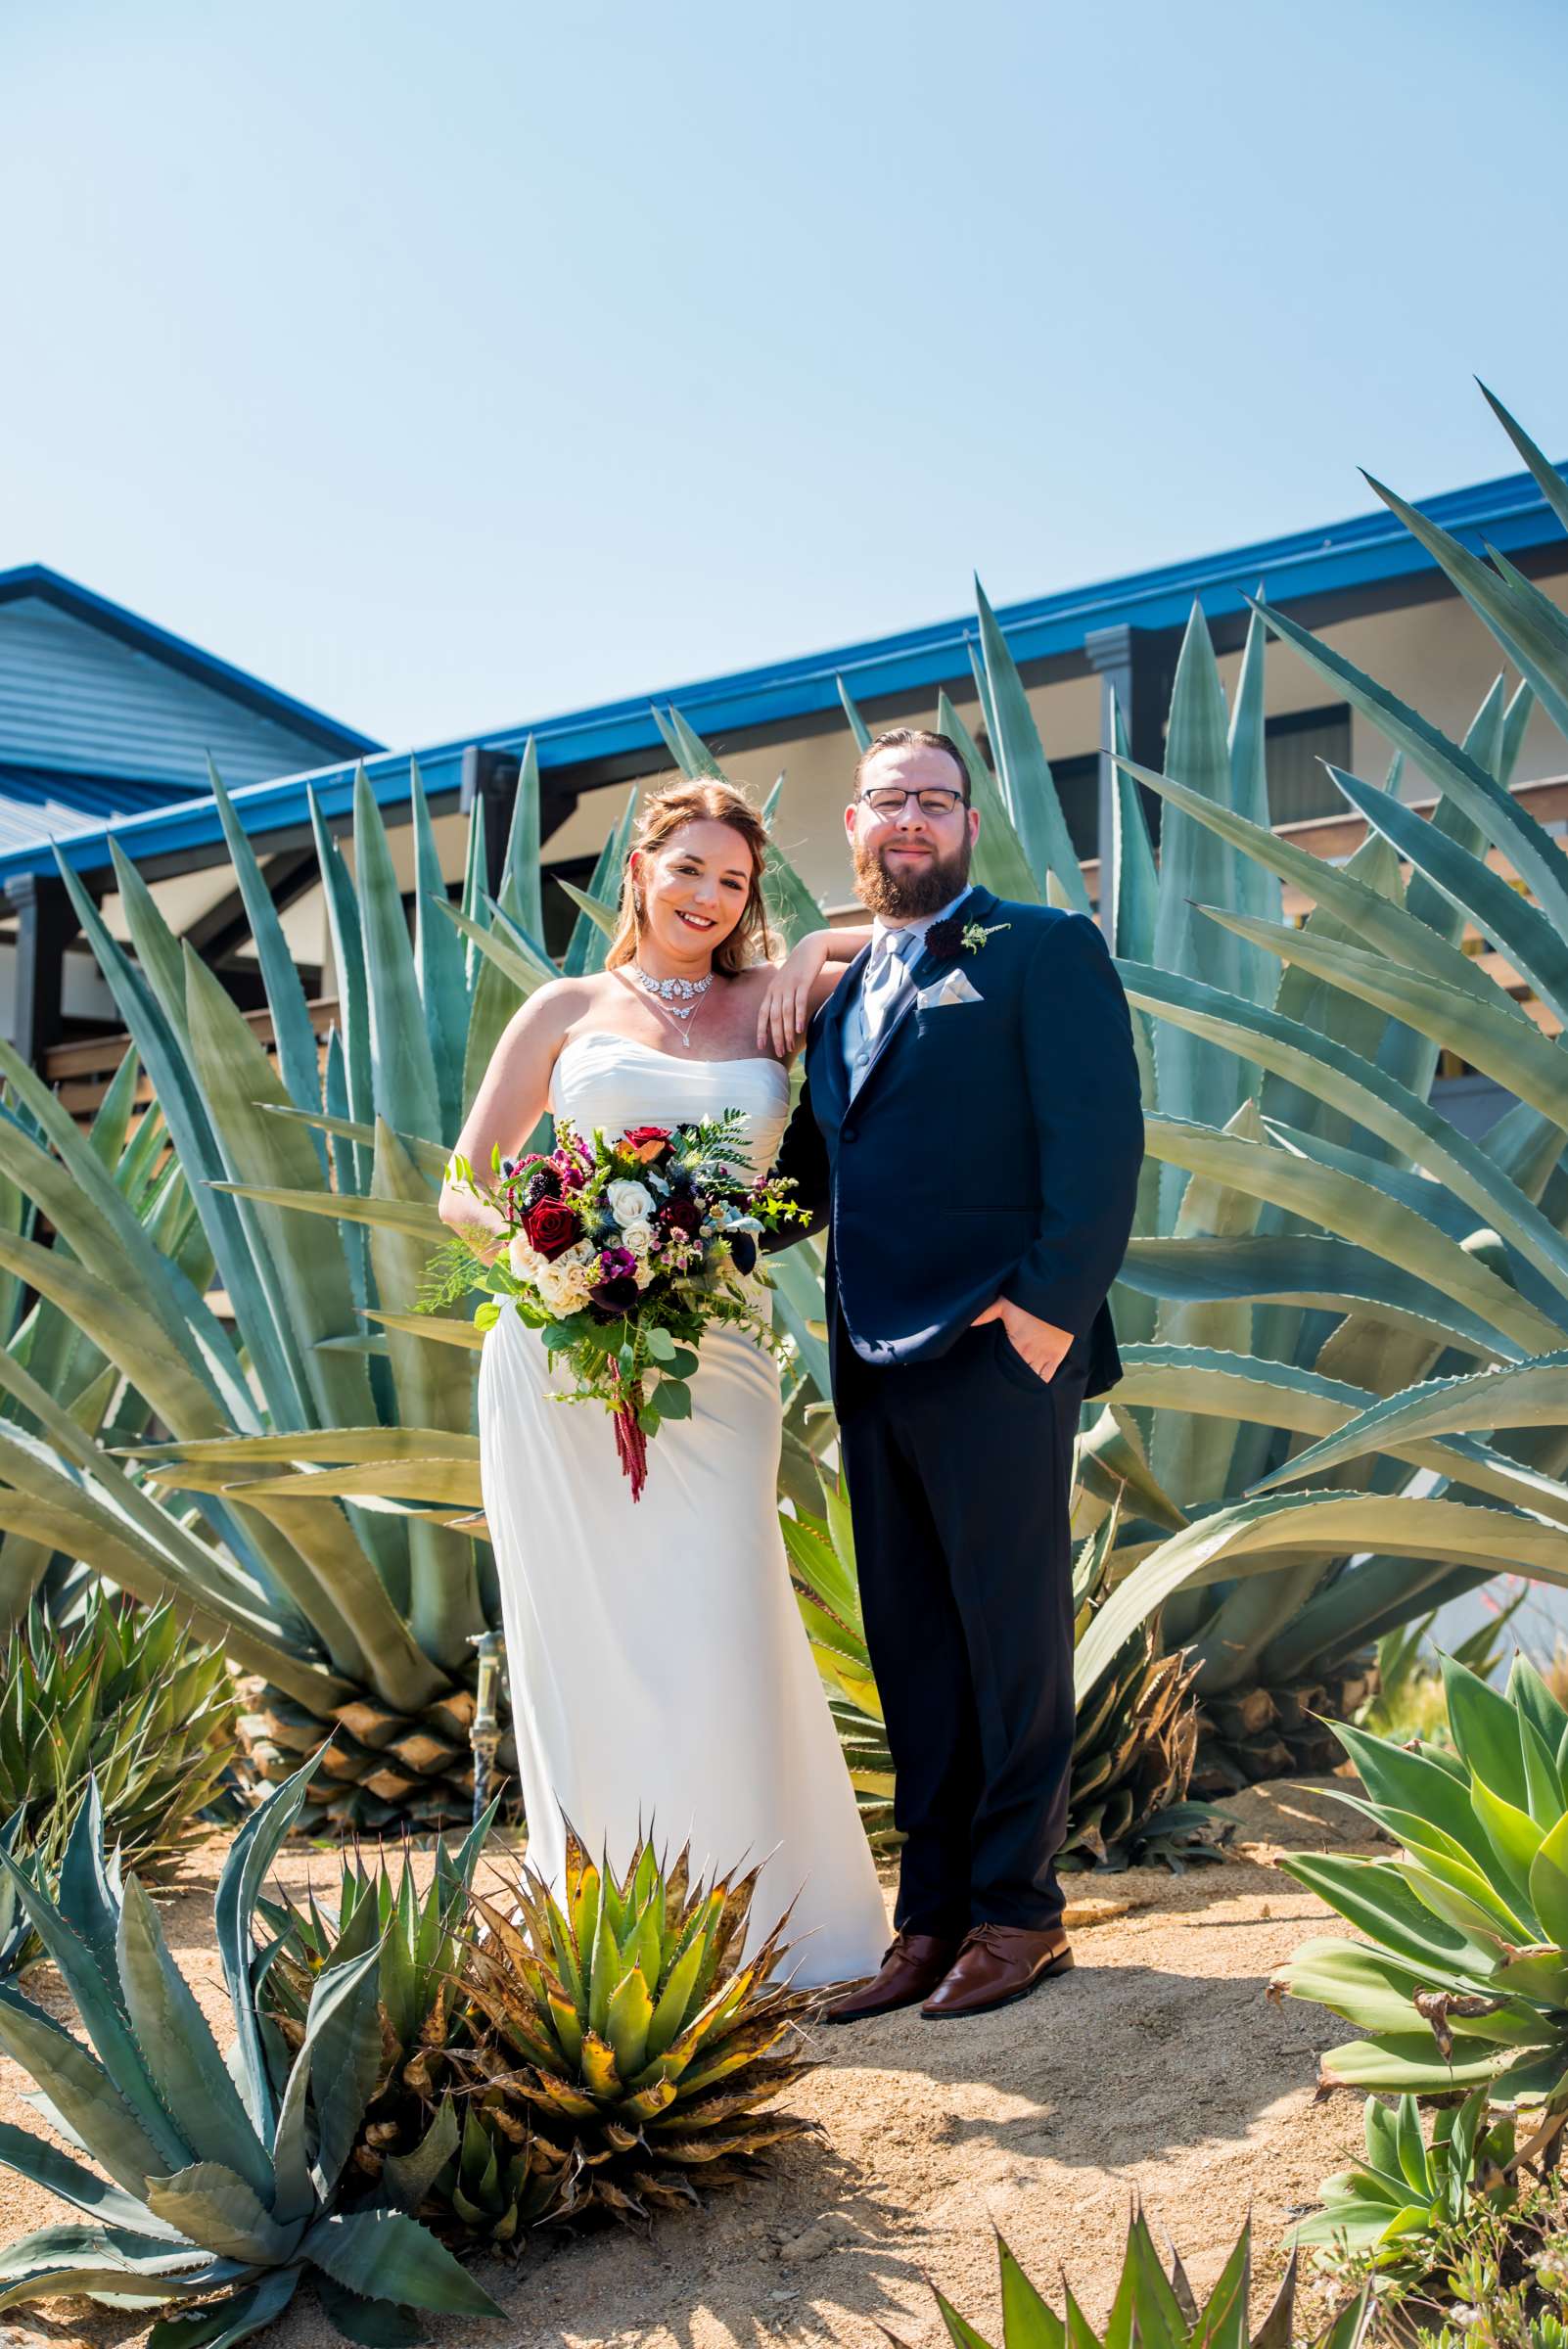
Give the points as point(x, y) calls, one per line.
point(36, 580)
point(1509, 513)
point(39, 801)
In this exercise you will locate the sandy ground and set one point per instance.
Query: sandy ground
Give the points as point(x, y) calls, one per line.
point(1158, 2067)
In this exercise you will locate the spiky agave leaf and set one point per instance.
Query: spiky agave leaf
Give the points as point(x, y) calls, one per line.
point(1461, 1978)
point(225, 2182)
point(124, 1692)
point(1153, 2306)
point(1391, 2203)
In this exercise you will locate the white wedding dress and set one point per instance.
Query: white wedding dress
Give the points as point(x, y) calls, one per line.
point(659, 1671)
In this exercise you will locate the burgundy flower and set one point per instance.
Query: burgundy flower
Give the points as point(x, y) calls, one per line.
point(945, 940)
point(614, 1287)
point(616, 1297)
point(552, 1228)
point(682, 1215)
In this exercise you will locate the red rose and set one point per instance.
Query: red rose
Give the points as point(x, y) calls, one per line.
point(552, 1227)
point(646, 1143)
point(682, 1215)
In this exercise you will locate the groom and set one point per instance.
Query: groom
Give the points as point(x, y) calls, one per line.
point(970, 1134)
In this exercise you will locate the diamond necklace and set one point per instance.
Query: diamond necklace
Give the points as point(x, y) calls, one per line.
point(678, 999)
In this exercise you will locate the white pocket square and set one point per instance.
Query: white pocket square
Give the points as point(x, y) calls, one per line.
point(952, 988)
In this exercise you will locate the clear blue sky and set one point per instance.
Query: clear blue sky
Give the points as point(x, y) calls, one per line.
point(451, 368)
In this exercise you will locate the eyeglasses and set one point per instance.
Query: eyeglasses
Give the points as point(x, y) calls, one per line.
point(887, 799)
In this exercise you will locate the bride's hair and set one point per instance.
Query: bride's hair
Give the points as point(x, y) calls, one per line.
point(664, 814)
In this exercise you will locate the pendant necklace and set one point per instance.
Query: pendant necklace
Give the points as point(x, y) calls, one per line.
point(678, 999)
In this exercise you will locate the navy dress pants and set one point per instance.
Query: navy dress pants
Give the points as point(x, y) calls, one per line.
point(959, 1474)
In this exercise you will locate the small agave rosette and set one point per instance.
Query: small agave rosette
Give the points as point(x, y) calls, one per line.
point(632, 2032)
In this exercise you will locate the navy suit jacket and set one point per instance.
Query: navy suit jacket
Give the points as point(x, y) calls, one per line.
point(992, 1148)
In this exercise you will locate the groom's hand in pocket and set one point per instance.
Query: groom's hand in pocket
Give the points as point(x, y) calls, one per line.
point(1042, 1343)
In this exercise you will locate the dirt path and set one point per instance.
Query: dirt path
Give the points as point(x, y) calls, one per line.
point(1158, 2066)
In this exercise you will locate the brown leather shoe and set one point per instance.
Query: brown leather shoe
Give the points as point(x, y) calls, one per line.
point(914, 1965)
point(997, 1964)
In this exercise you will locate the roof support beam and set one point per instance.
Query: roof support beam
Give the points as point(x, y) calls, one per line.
point(1136, 667)
point(492, 776)
point(489, 780)
point(46, 924)
point(225, 926)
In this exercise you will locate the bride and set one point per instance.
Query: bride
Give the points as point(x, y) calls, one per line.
point(659, 1672)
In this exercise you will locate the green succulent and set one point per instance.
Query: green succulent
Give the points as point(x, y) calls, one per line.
point(1410, 1698)
point(1407, 2191)
point(1462, 1979)
point(125, 1692)
point(462, 2163)
point(322, 1457)
point(629, 2044)
point(224, 2174)
point(19, 1943)
point(1155, 2309)
point(1136, 1732)
point(419, 1934)
point(63, 1399)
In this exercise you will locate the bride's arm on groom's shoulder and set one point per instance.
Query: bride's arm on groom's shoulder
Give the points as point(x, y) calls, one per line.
point(512, 1096)
point(800, 987)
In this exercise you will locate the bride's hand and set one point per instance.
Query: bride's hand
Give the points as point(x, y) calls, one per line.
point(786, 1008)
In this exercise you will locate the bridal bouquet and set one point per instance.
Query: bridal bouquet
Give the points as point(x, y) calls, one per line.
point(621, 1252)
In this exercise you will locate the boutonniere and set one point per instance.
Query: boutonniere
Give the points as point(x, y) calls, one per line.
point(946, 941)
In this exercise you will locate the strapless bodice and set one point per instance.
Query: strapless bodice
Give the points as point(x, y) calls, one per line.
point(613, 1082)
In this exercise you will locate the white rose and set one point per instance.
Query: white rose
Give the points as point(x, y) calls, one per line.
point(563, 1287)
point(638, 1237)
point(521, 1256)
point(630, 1202)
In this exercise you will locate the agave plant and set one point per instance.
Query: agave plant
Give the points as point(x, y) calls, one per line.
point(123, 1691)
point(411, 2140)
point(1156, 2309)
point(62, 1397)
point(353, 1597)
point(1463, 1978)
point(1136, 1732)
point(224, 2175)
point(1406, 2191)
point(19, 1943)
point(326, 1443)
point(631, 2040)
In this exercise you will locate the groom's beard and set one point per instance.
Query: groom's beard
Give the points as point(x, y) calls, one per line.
point(909, 897)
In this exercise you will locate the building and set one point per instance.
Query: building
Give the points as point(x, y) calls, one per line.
point(1362, 584)
point(106, 720)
